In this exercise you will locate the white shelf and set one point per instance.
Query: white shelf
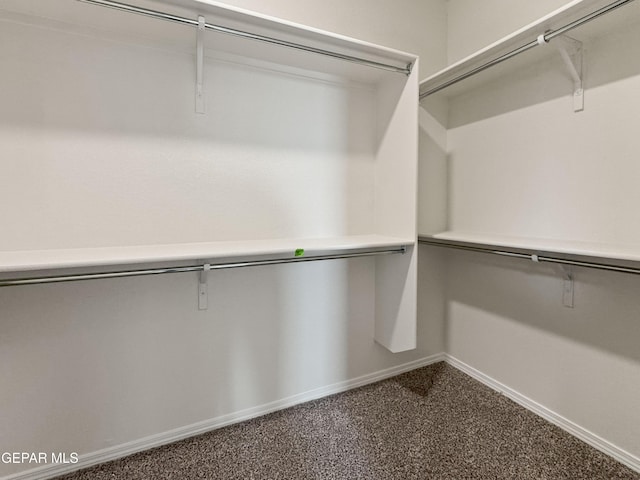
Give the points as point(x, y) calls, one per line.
point(622, 17)
point(88, 19)
point(21, 261)
point(570, 248)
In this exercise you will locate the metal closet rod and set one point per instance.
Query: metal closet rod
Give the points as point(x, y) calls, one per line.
point(535, 257)
point(247, 35)
point(548, 36)
point(192, 268)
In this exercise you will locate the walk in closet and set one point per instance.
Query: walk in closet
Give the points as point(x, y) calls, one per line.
point(209, 214)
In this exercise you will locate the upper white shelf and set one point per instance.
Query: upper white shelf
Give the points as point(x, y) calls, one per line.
point(619, 18)
point(224, 35)
point(32, 260)
point(618, 252)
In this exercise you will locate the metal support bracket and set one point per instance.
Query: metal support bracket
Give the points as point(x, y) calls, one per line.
point(572, 54)
point(200, 104)
point(203, 290)
point(567, 287)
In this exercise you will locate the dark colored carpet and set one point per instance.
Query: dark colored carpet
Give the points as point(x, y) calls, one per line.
point(431, 423)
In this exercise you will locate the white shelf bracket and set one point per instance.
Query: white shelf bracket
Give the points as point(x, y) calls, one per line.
point(203, 289)
point(567, 287)
point(572, 54)
point(200, 104)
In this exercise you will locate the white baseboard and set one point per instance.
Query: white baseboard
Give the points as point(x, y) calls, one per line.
point(119, 451)
point(123, 450)
point(574, 429)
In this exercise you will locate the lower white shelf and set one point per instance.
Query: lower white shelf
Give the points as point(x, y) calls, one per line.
point(396, 281)
point(280, 249)
point(616, 257)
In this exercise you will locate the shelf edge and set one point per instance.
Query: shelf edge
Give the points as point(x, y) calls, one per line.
point(299, 256)
point(538, 255)
point(59, 259)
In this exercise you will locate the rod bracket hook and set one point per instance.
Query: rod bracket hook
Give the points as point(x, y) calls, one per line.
point(571, 52)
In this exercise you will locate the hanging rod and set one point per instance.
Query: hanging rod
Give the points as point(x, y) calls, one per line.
point(530, 256)
point(192, 268)
point(247, 35)
point(547, 36)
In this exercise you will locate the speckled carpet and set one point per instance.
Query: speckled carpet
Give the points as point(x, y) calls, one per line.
point(431, 423)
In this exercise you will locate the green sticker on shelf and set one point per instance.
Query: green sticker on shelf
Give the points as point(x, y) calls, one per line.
point(299, 252)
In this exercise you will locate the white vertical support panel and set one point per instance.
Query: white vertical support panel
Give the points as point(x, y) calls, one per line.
point(396, 203)
point(396, 301)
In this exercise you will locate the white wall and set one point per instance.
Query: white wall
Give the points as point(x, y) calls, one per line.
point(97, 366)
point(521, 162)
